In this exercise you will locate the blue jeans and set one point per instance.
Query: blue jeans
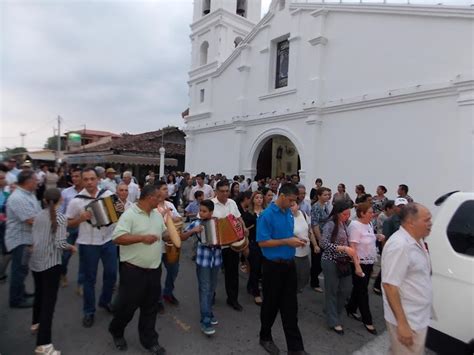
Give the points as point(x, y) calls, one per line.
point(19, 271)
point(71, 239)
point(171, 275)
point(89, 258)
point(207, 282)
point(336, 292)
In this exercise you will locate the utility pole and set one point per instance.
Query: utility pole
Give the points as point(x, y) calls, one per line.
point(22, 135)
point(59, 140)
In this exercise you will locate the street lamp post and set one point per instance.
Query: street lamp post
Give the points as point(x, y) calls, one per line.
point(162, 162)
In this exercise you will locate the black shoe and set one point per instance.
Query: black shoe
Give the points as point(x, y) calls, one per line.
point(353, 315)
point(270, 347)
point(27, 303)
point(235, 305)
point(3, 279)
point(371, 331)
point(107, 307)
point(161, 308)
point(338, 331)
point(88, 321)
point(120, 343)
point(171, 300)
point(157, 350)
point(298, 352)
point(29, 295)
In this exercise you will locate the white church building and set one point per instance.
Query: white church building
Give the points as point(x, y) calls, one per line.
point(372, 94)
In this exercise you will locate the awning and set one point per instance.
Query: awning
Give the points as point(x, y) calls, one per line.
point(45, 155)
point(117, 159)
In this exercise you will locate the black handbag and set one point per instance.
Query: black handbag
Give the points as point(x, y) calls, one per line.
point(343, 266)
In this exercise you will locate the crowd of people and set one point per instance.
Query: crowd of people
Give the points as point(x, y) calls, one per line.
point(291, 238)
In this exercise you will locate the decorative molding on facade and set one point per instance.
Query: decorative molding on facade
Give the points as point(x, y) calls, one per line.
point(390, 9)
point(202, 70)
point(240, 130)
point(265, 50)
point(294, 38)
point(313, 120)
point(318, 40)
point(296, 12)
point(465, 89)
point(198, 116)
point(278, 93)
point(319, 12)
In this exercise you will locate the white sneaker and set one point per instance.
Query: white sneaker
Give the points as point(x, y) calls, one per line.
point(46, 350)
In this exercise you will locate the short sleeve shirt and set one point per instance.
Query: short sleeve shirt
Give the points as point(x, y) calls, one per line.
point(274, 223)
point(363, 236)
point(206, 189)
point(406, 264)
point(88, 235)
point(222, 210)
point(135, 221)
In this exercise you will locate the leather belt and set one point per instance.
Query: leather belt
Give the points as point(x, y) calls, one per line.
point(136, 267)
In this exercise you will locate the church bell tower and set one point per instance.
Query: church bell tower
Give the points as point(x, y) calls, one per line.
point(217, 29)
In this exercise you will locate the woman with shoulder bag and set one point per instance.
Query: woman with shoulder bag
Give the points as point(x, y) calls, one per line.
point(335, 263)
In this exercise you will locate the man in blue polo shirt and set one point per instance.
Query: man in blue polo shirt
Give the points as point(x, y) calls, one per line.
point(277, 240)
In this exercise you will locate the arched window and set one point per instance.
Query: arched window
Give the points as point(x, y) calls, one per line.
point(206, 7)
point(237, 41)
point(203, 53)
point(241, 9)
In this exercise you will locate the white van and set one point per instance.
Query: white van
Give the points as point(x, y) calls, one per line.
point(451, 246)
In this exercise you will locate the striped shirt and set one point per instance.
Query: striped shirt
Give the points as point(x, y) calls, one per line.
point(47, 246)
point(22, 205)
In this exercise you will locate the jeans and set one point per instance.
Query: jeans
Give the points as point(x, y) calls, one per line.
point(19, 271)
point(336, 292)
point(5, 257)
point(89, 257)
point(171, 275)
point(139, 288)
point(207, 282)
point(255, 260)
point(279, 294)
point(360, 294)
point(71, 239)
point(46, 292)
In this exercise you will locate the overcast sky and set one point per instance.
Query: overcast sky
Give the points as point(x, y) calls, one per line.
point(119, 66)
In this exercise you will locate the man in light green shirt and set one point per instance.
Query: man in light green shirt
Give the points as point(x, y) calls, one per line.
point(139, 232)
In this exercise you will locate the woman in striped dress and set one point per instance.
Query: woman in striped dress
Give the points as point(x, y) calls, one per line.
point(49, 240)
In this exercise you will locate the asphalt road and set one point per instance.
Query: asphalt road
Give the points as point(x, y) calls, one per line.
point(178, 328)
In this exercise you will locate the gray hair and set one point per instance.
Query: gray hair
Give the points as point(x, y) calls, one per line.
point(409, 210)
point(99, 170)
point(127, 174)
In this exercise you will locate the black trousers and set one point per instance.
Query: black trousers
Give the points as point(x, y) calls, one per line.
point(46, 293)
point(255, 260)
point(139, 288)
point(279, 294)
point(231, 273)
point(360, 295)
point(315, 268)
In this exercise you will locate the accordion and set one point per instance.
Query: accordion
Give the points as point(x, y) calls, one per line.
point(104, 211)
point(221, 231)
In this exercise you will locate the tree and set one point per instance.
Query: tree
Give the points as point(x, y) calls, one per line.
point(52, 143)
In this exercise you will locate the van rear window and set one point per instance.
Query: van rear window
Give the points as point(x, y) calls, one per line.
point(461, 229)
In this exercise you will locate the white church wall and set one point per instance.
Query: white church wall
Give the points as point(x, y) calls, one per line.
point(416, 143)
point(371, 52)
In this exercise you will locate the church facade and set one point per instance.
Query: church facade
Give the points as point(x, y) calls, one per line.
point(355, 93)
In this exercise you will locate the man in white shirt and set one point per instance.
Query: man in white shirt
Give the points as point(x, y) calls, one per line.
point(12, 173)
point(94, 244)
point(224, 206)
point(407, 287)
point(68, 195)
point(122, 194)
point(109, 182)
point(133, 189)
point(201, 186)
